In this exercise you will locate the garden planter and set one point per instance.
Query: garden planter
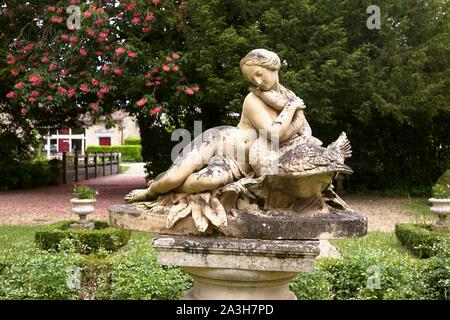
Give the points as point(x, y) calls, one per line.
point(441, 208)
point(82, 207)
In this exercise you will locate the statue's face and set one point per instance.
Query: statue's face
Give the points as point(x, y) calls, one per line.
point(261, 77)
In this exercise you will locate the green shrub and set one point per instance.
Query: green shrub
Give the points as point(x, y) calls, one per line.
point(128, 153)
point(136, 275)
point(23, 175)
point(312, 285)
point(418, 238)
point(33, 274)
point(132, 142)
point(437, 272)
point(370, 273)
point(83, 241)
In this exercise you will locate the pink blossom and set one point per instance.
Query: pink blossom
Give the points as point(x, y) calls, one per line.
point(157, 83)
point(50, 98)
point(149, 17)
point(24, 110)
point(168, 59)
point(59, 11)
point(146, 29)
point(175, 68)
point(71, 92)
point(10, 94)
point(118, 71)
point(34, 94)
point(100, 10)
point(64, 72)
point(90, 32)
point(104, 90)
point(87, 14)
point(142, 102)
point(55, 19)
point(149, 83)
point(135, 20)
point(178, 88)
point(94, 106)
point(52, 67)
point(165, 67)
point(148, 75)
point(196, 88)
point(85, 88)
point(31, 99)
point(95, 82)
point(155, 2)
point(62, 90)
point(188, 91)
point(11, 61)
point(14, 72)
point(35, 80)
point(132, 54)
point(99, 22)
point(51, 86)
point(100, 95)
point(155, 110)
point(73, 39)
point(19, 85)
point(155, 70)
point(119, 51)
point(64, 37)
point(98, 53)
point(51, 9)
point(45, 60)
point(83, 52)
point(106, 68)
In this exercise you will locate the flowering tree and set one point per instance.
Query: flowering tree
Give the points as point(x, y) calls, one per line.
point(97, 57)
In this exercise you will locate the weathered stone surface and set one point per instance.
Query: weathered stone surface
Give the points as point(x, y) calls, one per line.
point(237, 269)
point(277, 226)
point(245, 254)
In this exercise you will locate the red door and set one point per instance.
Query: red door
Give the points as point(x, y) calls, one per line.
point(104, 141)
point(63, 145)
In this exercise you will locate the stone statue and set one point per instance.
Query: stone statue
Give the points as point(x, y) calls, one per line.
point(242, 209)
point(270, 161)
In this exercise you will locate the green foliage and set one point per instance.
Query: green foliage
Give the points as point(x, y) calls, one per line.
point(24, 174)
point(438, 269)
point(441, 188)
point(312, 285)
point(419, 238)
point(60, 237)
point(373, 84)
point(84, 192)
point(130, 153)
point(136, 275)
point(133, 141)
point(32, 274)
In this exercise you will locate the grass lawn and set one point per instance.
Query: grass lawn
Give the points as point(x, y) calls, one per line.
point(373, 240)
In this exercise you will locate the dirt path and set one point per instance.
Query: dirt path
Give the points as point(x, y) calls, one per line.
point(383, 212)
point(49, 204)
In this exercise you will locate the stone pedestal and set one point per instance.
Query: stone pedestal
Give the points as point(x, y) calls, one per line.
point(237, 269)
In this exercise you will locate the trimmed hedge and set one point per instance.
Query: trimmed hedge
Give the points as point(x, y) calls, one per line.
point(129, 153)
point(132, 142)
point(23, 175)
point(418, 238)
point(83, 241)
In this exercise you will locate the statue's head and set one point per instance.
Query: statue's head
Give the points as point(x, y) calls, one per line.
point(260, 67)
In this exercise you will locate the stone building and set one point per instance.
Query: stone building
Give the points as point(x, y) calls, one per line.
point(78, 139)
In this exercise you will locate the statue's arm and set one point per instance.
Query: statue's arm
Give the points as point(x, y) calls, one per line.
point(261, 120)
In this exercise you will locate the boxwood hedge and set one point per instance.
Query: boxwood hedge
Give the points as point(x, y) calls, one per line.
point(419, 238)
point(83, 241)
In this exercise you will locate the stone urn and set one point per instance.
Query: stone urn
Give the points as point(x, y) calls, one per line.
point(441, 208)
point(82, 207)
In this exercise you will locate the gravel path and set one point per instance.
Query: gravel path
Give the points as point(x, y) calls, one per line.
point(383, 212)
point(49, 204)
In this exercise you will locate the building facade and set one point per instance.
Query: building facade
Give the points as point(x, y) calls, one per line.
point(73, 140)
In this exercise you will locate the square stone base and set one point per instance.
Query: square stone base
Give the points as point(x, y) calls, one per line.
point(237, 269)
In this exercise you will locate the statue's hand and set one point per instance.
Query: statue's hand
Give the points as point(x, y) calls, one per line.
point(297, 103)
